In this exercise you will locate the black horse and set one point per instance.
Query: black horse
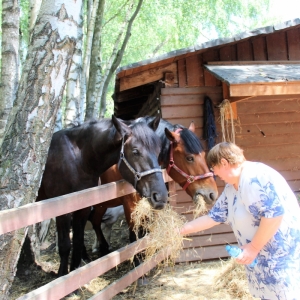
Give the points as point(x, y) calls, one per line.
point(78, 156)
point(182, 155)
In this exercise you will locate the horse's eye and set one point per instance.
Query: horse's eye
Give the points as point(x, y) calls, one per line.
point(190, 158)
point(136, 152)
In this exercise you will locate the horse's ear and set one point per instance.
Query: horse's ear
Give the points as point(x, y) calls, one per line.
point(172, 136)
point(192, 126)
point(122, 129)
point(154, 123)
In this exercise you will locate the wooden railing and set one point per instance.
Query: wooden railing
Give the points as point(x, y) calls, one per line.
point(29, 214)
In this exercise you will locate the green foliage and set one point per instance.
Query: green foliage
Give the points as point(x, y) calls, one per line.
point(24, 17)
point(168, 25)
point(176, 24)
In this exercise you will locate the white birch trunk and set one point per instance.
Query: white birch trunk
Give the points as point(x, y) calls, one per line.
point(10, 60)
point(30, 127)
point(95, 74)
point(74, 113)
point(35, 6)
point(87, 53)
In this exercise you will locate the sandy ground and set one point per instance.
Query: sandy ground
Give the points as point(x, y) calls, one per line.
point(202, 280)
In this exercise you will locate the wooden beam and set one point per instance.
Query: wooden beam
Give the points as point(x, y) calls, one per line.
point(119, 285)
point(148, 76)
point(16, 218)
point(264, 89)
point(65, 285)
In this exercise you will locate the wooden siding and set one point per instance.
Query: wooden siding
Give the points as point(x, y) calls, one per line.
point(277, 117)
point(267, 127)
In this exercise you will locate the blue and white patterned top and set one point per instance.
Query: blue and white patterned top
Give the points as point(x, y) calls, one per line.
point(263, 192)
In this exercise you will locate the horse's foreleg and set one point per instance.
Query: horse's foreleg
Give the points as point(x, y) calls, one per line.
point(78, 224)
point(96, 219)
point(63, 225)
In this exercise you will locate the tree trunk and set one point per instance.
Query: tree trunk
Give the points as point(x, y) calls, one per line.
point(31, 122)
point(10, 60)
point(95, 74)
point(74, 106)
point(115, 61)
point(35, 6)
point(87, 54)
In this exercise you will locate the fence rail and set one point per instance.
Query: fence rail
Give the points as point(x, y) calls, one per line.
point(16, 218)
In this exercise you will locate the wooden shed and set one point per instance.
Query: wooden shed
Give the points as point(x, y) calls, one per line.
point(258, 72)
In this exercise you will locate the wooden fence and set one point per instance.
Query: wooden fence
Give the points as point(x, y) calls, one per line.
point(29, 214)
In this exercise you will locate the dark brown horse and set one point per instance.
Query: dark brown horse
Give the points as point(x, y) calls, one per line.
point(78, 156)
point(184, 157)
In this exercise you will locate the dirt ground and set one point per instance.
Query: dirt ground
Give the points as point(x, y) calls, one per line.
point(193, 281)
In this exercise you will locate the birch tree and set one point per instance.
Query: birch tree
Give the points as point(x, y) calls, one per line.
point(31, 122)
point(10, 54)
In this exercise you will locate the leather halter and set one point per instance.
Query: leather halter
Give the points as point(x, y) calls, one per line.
point(137, 175)
point(189, 178)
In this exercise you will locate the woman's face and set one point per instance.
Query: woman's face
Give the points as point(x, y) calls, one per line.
point(225, 171)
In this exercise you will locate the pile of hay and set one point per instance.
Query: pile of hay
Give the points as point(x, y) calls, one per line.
point(162, 229)
point(232, 278)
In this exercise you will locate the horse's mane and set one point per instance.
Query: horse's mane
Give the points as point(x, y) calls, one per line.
point(191, 142)
point(146, 135)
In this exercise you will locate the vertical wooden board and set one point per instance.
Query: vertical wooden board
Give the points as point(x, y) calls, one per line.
point(209, 79)
point(244, 50)
point(259, 48)
point(181, 67)
point(234, 52)
point(293, 40)
point(277, 46)
point(194, 69)
point(225, 53)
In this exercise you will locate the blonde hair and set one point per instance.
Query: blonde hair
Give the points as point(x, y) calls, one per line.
point(229, 151)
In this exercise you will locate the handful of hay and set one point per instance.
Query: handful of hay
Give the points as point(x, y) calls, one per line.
point(162, 228)
point(200, 207)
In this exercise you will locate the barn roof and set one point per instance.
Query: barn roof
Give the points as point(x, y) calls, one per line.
point(178, 54)
point(136, 84)
point(256, 73)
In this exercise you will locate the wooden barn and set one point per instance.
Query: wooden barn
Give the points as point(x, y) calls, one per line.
point(253, 81)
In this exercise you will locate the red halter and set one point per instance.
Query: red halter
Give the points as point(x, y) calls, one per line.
point(189, 178)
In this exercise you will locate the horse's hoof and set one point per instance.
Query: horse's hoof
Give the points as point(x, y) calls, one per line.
point(143, 281)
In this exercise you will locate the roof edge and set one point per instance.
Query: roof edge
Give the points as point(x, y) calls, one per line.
point(213, 43)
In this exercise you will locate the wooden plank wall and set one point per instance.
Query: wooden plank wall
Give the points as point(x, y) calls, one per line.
point(182, 106)
point(277, 117)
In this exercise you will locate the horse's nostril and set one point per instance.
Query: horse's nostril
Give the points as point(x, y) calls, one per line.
point(155, 197)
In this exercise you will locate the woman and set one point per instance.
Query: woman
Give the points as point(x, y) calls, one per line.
point(264, 215)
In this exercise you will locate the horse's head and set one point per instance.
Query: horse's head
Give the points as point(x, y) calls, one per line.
point(139, 160)
point(188, 165)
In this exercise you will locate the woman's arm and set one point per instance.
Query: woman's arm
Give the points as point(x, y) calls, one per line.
point(198, 224)
point(266, 230)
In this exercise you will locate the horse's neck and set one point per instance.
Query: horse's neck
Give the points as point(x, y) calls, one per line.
point(103, 152)
point(107, 150)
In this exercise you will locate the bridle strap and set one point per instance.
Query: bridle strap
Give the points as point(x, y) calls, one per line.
point(137, 175)
point(189, 178)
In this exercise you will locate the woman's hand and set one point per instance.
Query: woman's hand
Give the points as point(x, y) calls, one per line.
point(248, 255)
